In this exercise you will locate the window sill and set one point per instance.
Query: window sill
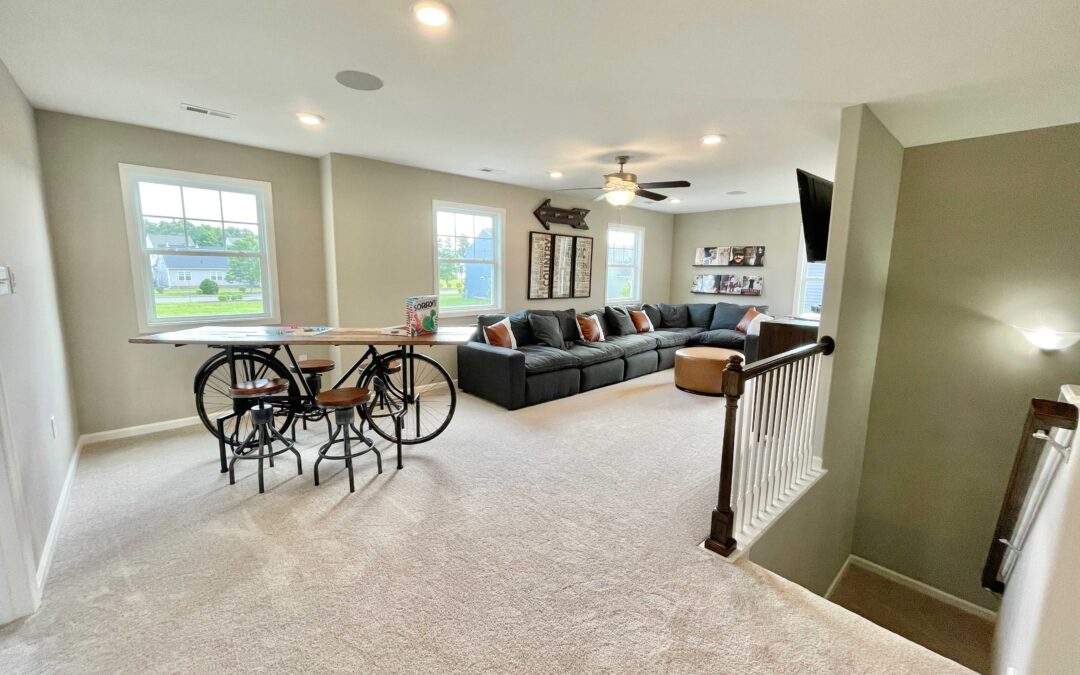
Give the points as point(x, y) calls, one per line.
point(455, 314)
point(200, 322)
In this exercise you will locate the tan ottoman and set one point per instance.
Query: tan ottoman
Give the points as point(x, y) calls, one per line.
point(700, 370)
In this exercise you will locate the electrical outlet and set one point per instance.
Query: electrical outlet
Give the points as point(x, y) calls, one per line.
point(52, 423)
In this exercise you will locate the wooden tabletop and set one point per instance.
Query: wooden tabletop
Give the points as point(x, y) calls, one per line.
point(254, 336)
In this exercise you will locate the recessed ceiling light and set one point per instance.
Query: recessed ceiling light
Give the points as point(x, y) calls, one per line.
point(676, 201)
point(432, 13)
point(712, 139)
point(737, 192)
point(555, 174)
point(310, 119)
point(356, 79)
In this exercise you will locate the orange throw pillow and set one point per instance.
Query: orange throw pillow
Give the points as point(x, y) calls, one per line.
point(589, 328)
point(500, 335)
point(745, 322)
point(641, 321)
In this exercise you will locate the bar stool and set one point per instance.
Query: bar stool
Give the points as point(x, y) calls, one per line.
point(262, 425)
point(311, 370)
point(344, 403)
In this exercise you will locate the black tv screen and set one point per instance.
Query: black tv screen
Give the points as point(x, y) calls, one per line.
point(815, 197)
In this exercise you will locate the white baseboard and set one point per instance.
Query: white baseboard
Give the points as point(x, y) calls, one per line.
point(139, 430)
point(57, 520)
point(915, 584)
point(836, 579)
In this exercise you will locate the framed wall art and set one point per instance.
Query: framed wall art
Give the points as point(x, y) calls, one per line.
point(735, 256)
point(560, 266)
point(727, 284)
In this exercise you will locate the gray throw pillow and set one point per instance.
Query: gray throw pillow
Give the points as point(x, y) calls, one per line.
point(547, 329)
point(727, 315)
point(653, 312)
point(519, 323)
point(674, 316)
point(618, 319)
point(701, 314)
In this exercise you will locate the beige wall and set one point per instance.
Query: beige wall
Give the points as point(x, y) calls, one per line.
point(811, 542)
point(33, 368)
point(118, 384)
point(778, 228)
point(987, 235)
point(384, 239)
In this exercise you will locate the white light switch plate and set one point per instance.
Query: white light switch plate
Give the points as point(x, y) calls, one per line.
point(7, 281)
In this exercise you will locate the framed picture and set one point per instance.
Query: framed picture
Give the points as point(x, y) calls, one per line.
point(727, 284)
point(583, 247)
point(737, 256)
point(562, 266)
point(541, 245)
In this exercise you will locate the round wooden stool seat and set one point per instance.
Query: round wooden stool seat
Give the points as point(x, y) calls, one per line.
point(313, 366)
point(700, 370)
point(347, 397)
point(260, 387)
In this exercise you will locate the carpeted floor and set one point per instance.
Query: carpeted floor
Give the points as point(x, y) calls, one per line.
point(561, 538)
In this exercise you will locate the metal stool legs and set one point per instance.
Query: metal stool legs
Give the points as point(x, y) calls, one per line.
point(262, 419)
point(344, 418)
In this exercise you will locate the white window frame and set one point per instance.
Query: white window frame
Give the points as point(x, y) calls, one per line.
point(638, 266)
point(140, 251)
point(498, 216)
point(800, 283)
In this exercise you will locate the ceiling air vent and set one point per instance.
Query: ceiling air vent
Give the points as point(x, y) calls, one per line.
point(206, 111)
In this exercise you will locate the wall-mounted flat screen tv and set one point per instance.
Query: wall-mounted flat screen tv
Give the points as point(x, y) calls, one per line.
point(815, 197)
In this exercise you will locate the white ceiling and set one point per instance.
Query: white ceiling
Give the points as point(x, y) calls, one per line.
point(526, 86)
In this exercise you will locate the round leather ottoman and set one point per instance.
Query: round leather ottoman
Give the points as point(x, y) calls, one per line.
point(700, 370)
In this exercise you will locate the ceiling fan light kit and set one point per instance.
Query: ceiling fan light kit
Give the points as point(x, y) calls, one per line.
point(619, 197)
point(620, 188)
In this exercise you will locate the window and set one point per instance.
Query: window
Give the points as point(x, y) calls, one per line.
point(187, 229)
point(810, 289)
point(624, 254)
point(468, 258)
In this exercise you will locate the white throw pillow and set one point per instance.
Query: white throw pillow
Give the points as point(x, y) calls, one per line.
point(755, 324)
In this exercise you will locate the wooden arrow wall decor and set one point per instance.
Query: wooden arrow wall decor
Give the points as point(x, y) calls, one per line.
point(548, 215)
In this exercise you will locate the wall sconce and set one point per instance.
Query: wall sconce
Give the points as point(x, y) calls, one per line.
point(1049, 340)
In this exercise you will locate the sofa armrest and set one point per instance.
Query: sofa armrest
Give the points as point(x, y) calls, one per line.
point(494, 373)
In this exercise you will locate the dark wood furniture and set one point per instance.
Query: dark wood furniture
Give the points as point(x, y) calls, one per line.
point(783, 335)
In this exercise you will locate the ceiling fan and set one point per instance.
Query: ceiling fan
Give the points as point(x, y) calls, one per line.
point(620, 188)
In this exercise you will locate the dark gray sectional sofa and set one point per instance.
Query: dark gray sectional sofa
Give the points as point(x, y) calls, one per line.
point(534, 373)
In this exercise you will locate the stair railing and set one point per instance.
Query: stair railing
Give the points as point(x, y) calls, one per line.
point(768, 456)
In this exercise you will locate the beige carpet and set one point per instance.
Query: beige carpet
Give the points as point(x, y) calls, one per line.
point(560, 538)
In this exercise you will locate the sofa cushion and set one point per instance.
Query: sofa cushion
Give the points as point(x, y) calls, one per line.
point(641, 320)
point(727, 315)
point(499, 334)
point(701, 313)
point(618, 319)
point(673, 316)
point(690, 330)
point(670, 338)
point(590, 328)
point(547, 330)
point(721, 337)
point(654, 314)
point(590, 353)
point(634, 344)
point(544, 359)
point(567, 322)
point(519, 323)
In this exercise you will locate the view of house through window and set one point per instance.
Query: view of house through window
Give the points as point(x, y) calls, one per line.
point(624, 246)
point(202, 247)
point(468, 257)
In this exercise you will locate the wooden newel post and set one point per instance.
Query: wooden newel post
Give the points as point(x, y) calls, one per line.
point(723, 516)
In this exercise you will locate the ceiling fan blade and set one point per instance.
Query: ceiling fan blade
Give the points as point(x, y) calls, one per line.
point(666, 184)
point(651, 195)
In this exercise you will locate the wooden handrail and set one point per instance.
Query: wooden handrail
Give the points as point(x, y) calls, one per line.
point(1043, 416)
point(734, 385)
